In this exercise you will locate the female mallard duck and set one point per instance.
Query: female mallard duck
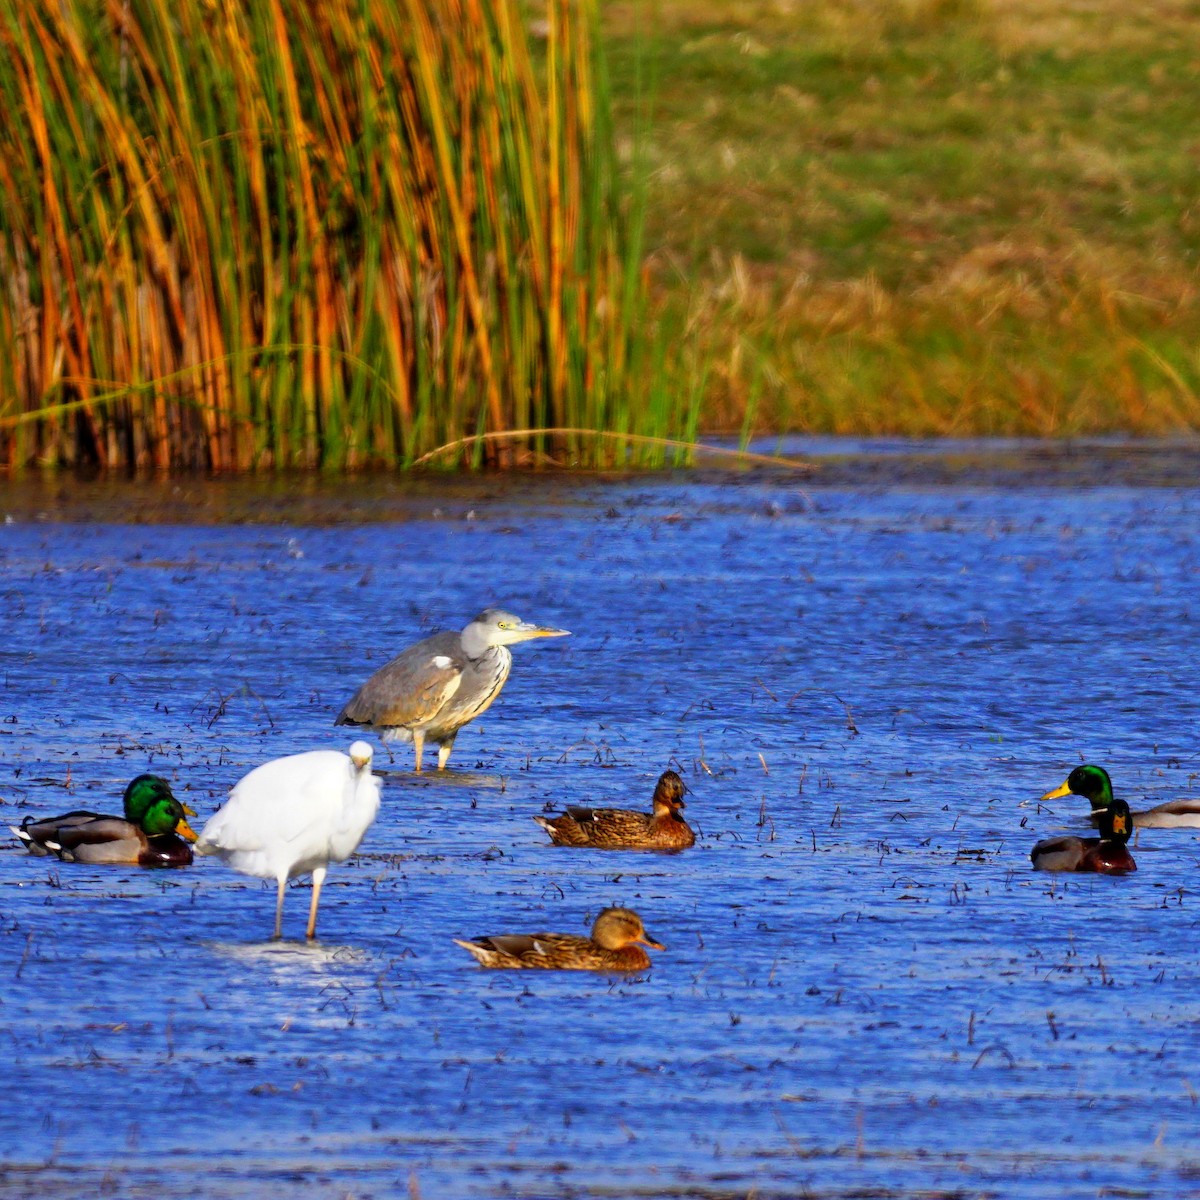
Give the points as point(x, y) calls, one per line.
point(45, 836)
point(1108, 854)
point(1094, 785)
point(612, 947)
point(622, 829)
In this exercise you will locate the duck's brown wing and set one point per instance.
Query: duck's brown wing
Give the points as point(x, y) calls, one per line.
point(412, 689)
point(612, 826)
point(34, 834)
point(515, 944)
point(554, 950)
point(104, 840)
point(1061, 853)
point(563, 830)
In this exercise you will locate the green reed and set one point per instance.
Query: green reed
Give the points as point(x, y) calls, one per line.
point(239, 236)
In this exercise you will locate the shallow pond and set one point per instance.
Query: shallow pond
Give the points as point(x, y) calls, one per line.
point(866, 677)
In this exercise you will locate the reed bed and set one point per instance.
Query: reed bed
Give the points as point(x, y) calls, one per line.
point(263, 235)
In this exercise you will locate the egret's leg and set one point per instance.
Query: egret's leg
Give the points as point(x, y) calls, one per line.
point(279, 909)
point(444, 754)
point(318, 877)
point(418, 746)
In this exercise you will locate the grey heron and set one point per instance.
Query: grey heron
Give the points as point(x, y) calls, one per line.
point(431, 690)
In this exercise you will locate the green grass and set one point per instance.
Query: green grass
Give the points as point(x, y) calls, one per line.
point(929, 218)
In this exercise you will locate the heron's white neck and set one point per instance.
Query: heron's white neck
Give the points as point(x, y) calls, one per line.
point(477, 639)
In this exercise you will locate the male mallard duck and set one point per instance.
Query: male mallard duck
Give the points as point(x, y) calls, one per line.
point(622, 829)
point(144, 794)
point(1108, 854)
point(157, 841)
point(610, 948)
point(1094, 785)
point(294, 816)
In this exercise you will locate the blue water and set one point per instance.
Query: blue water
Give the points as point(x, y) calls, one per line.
point(866, 991)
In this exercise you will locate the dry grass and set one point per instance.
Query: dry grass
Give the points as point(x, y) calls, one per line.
point(933, 217)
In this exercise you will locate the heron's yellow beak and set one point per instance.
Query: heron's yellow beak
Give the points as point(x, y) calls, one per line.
point(185, 831)
point(528, 632)
point(1058, 791)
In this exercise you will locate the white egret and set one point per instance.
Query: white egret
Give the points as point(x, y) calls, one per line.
point(293, 816)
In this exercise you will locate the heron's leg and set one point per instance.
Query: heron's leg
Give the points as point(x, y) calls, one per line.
point(444, 754)
point(279, 909)
point(418, 746)
point(318, 877)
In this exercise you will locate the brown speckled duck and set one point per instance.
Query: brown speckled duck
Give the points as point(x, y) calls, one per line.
point(1106, 855)
point(613, 946)
point(623, 829)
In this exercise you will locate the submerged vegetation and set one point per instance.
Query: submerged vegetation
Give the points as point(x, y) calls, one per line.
point(284, 234)
point(239, 236)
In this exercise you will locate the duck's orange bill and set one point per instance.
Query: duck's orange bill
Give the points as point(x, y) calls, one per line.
point(649, 941)
point(186, 831)
point(187, 808)
point(1058, 791)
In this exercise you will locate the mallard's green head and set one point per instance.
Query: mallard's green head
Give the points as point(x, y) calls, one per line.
point(1088, 781)
point(1115, 822)
point(144, 792)
point(166, 815)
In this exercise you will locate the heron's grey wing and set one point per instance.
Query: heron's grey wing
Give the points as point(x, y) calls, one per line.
point(411, 689)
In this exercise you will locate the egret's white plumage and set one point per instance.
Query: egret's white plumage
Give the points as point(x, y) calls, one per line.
point(295, 815)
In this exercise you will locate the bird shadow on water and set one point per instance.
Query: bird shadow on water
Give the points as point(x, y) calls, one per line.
point(446, 779)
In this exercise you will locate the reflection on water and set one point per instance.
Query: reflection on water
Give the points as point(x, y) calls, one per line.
point(296, 961)
point(315, 978)
point(867, 990)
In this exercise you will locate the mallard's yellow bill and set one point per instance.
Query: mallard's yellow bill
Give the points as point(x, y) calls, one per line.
point(187, 808)
point(1058, 791)
point(186, 831)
